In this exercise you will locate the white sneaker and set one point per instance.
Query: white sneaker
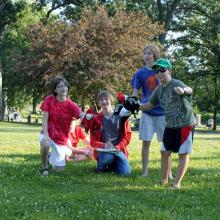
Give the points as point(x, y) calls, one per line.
point(44, 172)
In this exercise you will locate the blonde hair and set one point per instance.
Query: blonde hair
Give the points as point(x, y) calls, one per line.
point(154, 49)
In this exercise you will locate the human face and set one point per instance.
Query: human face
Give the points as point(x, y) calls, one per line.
point(61, 89)
point(149, 57)
point(163, 75)
point(105, 103)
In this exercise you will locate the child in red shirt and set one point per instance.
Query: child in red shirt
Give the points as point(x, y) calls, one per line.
point(58, 112)
point(75, 135)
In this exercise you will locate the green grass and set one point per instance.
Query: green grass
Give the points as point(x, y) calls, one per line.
point(80, 193)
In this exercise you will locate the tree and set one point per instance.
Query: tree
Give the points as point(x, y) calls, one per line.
point(160, 11)
point(8, 12)
point(15, 44)
point(199, 47)
point(94, 53)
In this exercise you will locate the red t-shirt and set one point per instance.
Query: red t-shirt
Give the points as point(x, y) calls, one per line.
point(60, 117)
point(76, 134)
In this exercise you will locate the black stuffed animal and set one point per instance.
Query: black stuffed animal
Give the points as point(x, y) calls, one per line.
point(132, 104)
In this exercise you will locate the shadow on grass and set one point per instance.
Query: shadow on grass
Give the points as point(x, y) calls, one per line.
point(208, 131)
point(21, 124)
point(18, 130)
point(207, 138)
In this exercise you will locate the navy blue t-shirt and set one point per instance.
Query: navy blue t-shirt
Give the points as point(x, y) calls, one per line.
point(146, 80)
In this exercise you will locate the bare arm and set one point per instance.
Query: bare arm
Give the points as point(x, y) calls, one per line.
point(86, 142)
point(135, 93)
point(183, 91)
point(45, 128)
point(146, 107)
point(45, 125)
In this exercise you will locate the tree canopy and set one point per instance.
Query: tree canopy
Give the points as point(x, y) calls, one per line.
point(93, 53)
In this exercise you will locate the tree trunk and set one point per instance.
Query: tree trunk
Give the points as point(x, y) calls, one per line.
point(214, 118)
point(34, 105)
point(1, 95)
point(215, 103)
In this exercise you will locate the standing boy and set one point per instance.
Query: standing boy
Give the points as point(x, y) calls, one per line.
point(152, 121)
point(175, 99)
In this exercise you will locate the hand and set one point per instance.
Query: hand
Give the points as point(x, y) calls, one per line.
point(88, 153)
point(179, 90)
point(124, 112)
point(109, 145)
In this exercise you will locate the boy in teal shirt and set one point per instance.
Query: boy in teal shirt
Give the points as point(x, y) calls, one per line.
point(175, 99)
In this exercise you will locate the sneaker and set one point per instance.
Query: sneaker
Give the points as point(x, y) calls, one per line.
point(171, 177)
point(44, 172)
point(174, 187)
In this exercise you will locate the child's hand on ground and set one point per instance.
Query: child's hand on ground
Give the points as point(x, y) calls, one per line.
point(88, 153)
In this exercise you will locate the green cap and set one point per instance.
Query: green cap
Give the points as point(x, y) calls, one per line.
point(165, 63)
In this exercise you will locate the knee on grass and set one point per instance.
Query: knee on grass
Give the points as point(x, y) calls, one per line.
point(58, 168)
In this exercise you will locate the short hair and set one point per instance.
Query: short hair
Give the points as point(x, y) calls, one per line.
point(105, 93)
point(154, 49)
point(55, 81)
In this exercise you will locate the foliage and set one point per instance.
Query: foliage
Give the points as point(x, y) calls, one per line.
point(160, 11)
point(94, 53)
point(8, 10)
point(17, 87)
point(80, 193)
point(198, 49)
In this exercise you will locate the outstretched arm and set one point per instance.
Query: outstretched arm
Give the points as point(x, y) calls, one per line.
point(87, 143)
point(45, 127)
point(135, 93)
point(146, 106)
point(183, 91)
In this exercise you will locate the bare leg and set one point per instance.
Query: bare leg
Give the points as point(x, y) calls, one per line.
point(165, 166)
point(44, 155)
point(145, 157)
point(182, 167)
point(170, 169)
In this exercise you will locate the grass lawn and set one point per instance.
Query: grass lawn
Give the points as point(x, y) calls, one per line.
point(80, 193)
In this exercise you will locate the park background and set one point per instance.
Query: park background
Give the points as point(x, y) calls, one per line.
point(98, 45)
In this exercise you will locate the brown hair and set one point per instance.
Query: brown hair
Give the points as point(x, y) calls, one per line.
point(154, 49)
point(105, 93)
point(55, 81)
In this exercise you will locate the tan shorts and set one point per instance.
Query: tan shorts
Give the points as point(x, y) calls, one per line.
point(149, 125)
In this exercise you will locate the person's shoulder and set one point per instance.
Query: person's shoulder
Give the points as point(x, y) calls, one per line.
point(177, 81)
point(70, 101)
point(50, 98)
point(142, 70)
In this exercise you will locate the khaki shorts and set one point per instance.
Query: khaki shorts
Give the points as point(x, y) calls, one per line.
point(150, 125)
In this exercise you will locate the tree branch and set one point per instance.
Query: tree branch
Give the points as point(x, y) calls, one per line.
point(65, 3)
